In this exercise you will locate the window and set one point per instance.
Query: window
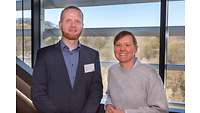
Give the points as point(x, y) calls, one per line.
point(102, 23)
point(23, 31)
point(175, 72)
point(103, 20)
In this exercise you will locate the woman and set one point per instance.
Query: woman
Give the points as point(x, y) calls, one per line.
point(133, 87)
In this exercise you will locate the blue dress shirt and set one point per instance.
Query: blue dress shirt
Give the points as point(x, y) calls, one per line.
point(71, 60)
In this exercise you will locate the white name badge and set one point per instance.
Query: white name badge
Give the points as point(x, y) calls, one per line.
point(89, 68)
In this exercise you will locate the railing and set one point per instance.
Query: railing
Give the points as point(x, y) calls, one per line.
point(23, 71)
point(23, 88)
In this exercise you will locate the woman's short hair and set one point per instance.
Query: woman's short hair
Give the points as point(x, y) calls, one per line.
point(124, 33)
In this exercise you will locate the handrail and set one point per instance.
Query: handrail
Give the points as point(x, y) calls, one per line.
point(23, 71)
point(24, 104)
point(23, 87)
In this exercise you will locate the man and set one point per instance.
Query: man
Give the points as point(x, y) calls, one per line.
point(67, 75)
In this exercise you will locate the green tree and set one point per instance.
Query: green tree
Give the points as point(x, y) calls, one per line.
point(176, 51)
point(149, 48)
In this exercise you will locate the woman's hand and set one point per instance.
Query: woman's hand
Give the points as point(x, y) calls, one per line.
point(112, 109)
point(109, 108)
point(117, 110)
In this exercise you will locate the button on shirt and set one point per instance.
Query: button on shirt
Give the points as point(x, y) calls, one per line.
point(71, 60)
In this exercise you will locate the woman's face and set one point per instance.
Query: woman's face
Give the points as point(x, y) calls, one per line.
point(125, 50)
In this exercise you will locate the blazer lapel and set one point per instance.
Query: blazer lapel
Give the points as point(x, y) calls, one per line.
point(79, 71)
point(61, 64)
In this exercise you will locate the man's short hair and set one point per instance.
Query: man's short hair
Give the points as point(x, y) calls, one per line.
point(70, 7)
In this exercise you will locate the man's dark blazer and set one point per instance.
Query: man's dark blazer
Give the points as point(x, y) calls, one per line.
point(51, 89)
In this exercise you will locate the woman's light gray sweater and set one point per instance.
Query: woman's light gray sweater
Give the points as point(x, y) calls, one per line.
point(138, 90)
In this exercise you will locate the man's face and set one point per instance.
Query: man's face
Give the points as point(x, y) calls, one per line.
point(71, 24)
point(124, 49)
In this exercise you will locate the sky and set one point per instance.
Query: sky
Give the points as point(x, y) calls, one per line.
point(126, 15)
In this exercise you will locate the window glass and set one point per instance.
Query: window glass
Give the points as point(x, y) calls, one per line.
point(23, 31)
point(175, 74)
point(102, 23)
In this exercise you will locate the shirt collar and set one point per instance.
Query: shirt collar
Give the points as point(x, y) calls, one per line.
point(62, 45)
point(137, 62)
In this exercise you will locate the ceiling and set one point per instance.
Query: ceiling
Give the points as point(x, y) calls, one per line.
point(48, 4)
point(85, 3)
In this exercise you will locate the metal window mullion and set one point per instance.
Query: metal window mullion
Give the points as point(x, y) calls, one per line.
point(23, 30)
point(35, 31)
point(163, 24)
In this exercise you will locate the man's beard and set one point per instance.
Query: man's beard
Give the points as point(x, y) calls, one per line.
point(71, 36)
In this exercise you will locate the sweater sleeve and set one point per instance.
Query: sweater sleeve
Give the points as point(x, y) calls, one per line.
point(108, 97)
point(156, 97)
